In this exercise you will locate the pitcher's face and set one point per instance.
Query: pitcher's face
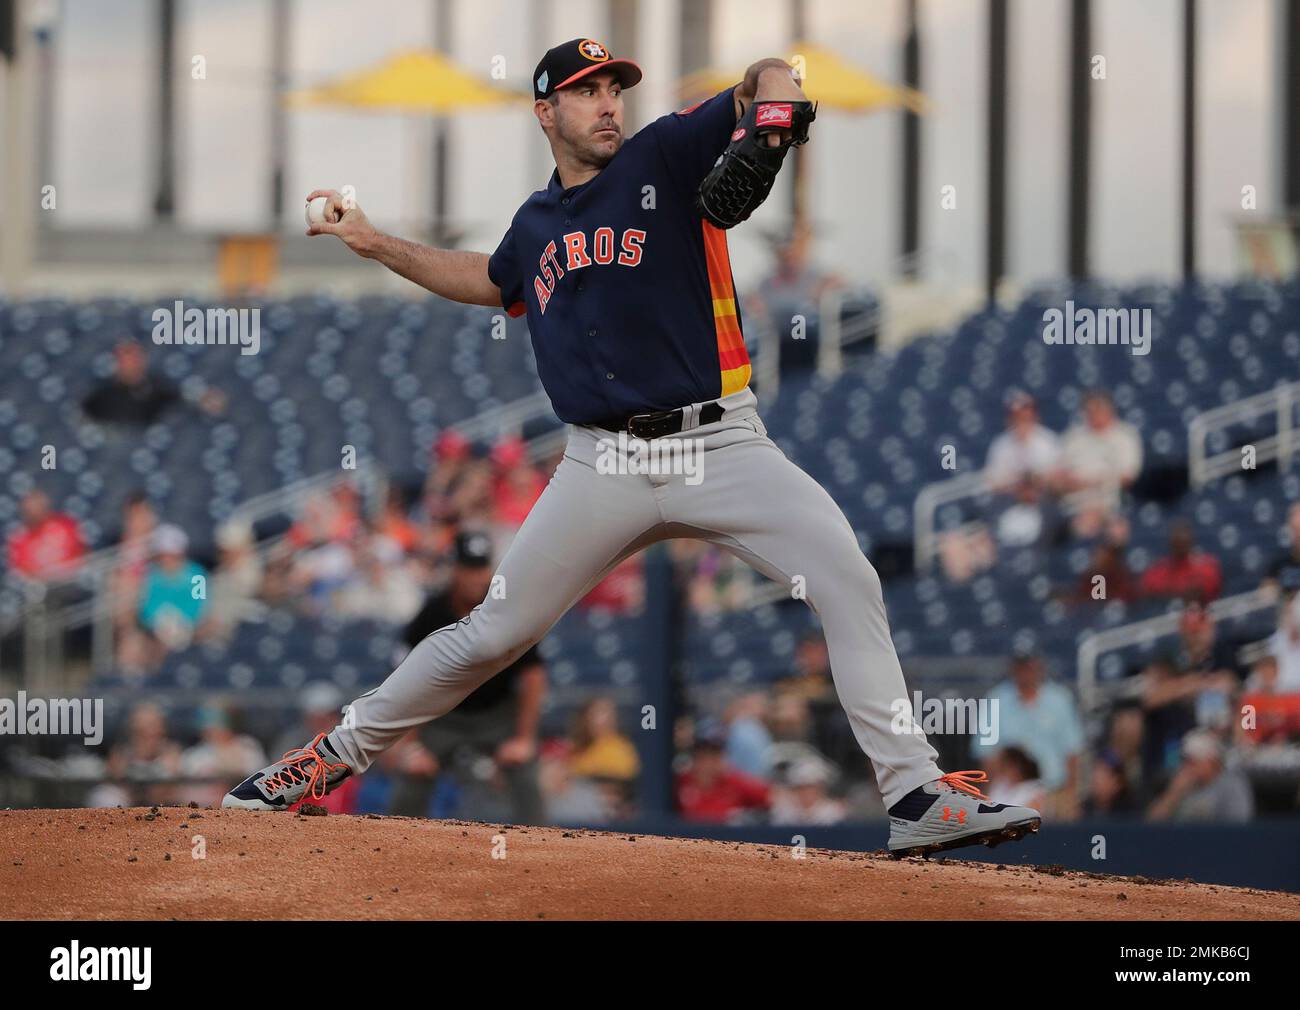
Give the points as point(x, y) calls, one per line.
point(588, 118)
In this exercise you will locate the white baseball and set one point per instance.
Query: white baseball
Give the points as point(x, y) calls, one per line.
point(316, 210)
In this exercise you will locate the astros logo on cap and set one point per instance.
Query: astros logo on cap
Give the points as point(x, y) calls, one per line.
point(593, 50)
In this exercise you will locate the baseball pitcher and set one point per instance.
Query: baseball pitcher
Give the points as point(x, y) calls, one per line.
point(621, 265)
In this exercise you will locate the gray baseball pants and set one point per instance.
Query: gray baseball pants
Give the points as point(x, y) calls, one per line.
point(738, 491)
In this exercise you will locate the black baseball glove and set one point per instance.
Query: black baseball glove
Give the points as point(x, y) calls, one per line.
point(744, 173)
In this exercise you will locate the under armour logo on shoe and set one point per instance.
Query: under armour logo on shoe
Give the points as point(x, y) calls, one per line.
point(959, 814)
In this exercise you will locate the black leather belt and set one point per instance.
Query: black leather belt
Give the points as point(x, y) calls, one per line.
point(661, 422)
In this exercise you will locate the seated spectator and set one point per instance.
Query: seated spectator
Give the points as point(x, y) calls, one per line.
point(172, 601)
point(802, 797)
point(1026, 449)
point(966, 551)
point(135, 545)
point(1183, 691)
point(221, 754)
point(1100, 458)
point(795, 282)
point(1026, 520)
point(379, 587)
point(49, 544)
point(1288, 561)
point(812, 670)
point(1040, 718)
point(1270, 714)
point(622, 591)
point(1023, 519)
point(748, 741)
point(395, 523)
point(1109, 561)
point(328, 518)
point(1284, 645)
point(1203, 652)
point(789, 719)
point(1187, 573)
point(710, 790)
point(318, 574)
point(517, 484)
point(1110, 793)
point(1124, 738)
point(831, 733)
point(1015, 776)
point(1205, 788)
point(133, 395)
point(143, 766)
point(600, 751)
point(235, 583)
point(452, 458)
point(570, 798)
point(323, 539)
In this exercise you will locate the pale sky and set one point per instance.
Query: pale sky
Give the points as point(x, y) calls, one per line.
point(105, 88)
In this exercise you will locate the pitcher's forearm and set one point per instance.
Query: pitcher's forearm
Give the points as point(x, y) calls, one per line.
point(451, 273)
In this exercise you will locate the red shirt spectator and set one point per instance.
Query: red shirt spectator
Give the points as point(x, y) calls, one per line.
point(622, 591)
point(49, 542)
point(711, 790)
point(1187, 573)
point(518, 484)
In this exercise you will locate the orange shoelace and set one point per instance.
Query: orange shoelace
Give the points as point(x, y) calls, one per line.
point(964, 782)
point(294, 774)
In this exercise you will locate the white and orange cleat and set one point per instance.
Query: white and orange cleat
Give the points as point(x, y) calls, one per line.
point(951, 812)
point(310, 772)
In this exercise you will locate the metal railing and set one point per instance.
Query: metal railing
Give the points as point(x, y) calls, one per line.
point(1280, 401)
point(46, 624)
point(1095, 644)
point(931, 498)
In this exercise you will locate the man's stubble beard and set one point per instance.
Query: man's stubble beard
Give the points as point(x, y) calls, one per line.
point(583, 146)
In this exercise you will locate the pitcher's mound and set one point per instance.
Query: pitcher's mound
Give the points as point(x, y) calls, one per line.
point(176, 862)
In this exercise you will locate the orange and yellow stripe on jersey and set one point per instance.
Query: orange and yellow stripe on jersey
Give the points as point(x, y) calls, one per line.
point(733, 359)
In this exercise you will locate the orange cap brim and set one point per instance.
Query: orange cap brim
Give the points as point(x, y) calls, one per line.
point(629, 74)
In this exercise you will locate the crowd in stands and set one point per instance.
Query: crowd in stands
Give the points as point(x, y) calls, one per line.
point(1206, 730)
point(1198, 730)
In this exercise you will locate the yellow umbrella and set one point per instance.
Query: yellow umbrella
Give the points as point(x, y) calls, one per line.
point(415, 81)
point(422, 82)
point(828, 79)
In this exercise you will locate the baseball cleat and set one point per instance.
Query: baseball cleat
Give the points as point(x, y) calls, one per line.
point(307, 773)
point(951, 812)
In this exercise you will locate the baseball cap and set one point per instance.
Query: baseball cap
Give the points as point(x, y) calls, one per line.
point(573, 60)
point(1201, 744)
point(710, 735)
point(169, 539)
point(807, 772)
point(451, 444)
point(473, 549)
point(1016, 398)
point(320, 696)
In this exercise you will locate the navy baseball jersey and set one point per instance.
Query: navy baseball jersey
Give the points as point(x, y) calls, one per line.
point(629, 294)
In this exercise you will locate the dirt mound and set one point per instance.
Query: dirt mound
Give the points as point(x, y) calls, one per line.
point(140, 864)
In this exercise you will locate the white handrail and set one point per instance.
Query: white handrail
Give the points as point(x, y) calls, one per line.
point(1096, 643)
point(1280, 400)
point(932, 497)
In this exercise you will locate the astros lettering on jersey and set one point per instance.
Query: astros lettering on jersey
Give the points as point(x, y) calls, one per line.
point(628, 291)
